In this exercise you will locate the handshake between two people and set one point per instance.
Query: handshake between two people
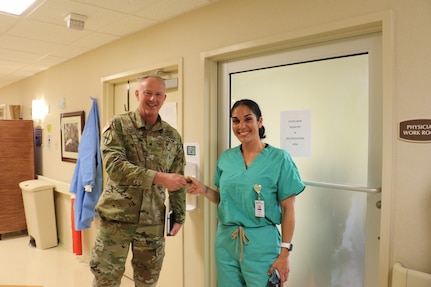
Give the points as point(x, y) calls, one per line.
point(195, 187)
point(173, 182)
point(192, 186)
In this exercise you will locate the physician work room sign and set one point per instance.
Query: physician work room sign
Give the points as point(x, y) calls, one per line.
point(416, 130)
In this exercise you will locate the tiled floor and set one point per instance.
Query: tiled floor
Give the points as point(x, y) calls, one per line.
point(53, 267)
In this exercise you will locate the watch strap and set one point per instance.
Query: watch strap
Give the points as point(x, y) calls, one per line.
point(287, 245)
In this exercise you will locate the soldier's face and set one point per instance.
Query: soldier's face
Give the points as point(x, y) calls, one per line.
point(151, 95)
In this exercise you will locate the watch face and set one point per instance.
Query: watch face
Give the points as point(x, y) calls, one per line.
point(289, 246)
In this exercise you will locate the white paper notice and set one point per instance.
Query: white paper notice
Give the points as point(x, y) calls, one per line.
point(168, 113)
point(295, 132)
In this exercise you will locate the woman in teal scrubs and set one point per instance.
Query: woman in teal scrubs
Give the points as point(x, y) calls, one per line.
point(257, 185)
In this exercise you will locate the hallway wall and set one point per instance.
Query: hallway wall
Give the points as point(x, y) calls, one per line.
point(229, 23)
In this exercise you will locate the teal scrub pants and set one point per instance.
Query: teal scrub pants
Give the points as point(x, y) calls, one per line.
point(247, 266)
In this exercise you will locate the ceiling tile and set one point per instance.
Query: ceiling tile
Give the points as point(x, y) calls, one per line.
point(49, 60)
point(6, 67)
point(69, 51)
point(124, 6)
point(41, 31)
point(7, 22)
point(167, 9)
point(94, 40)
point(26, 45)
point(126, 26)
point(39, 38)
point(18, 56)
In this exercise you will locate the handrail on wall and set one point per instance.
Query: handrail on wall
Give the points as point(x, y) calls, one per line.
point(343, 186)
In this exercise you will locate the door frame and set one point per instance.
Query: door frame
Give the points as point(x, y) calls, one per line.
point(108, 110)
point(109, 82)
point(380, 22)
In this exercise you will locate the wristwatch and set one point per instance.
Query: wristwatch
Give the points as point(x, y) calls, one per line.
point(289, 245)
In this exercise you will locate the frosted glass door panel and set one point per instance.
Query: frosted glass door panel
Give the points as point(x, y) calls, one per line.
point(329, 239)
point(336, 93)
point(337, 230)
point(330, 235)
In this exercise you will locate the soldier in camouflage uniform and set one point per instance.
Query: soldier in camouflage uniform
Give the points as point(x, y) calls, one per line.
point(143, 156)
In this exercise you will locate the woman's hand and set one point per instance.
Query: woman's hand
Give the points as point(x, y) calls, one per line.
point(194, 186)
point(282, 265)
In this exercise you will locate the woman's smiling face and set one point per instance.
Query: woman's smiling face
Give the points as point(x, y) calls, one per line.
point(245, 125)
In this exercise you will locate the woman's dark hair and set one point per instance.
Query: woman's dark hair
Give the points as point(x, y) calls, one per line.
point(254, 107)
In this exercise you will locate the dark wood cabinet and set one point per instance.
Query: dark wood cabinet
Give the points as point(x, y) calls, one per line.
point(17, 163)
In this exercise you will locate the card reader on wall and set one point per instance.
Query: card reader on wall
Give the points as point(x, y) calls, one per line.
point(191, 169)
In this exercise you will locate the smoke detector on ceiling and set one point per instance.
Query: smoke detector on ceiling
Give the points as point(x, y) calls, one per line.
point(75, 21)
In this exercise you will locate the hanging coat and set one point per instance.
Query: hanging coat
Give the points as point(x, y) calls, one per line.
point(87, 179)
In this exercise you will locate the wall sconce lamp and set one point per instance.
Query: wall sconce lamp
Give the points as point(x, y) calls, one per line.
point(38, 111)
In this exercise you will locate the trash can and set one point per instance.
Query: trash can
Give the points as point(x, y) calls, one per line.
point(38, 199)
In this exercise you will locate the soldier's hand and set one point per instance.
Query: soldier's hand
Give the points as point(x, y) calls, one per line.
point(175, 229)
point(171, 181)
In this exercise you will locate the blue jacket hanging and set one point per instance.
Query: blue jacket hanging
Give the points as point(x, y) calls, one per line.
point(87, 179)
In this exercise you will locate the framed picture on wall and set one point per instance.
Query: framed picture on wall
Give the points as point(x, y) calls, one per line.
point(71, 127)
point(2, 111)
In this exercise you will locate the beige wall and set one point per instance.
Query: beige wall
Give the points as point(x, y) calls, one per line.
point(229, 23)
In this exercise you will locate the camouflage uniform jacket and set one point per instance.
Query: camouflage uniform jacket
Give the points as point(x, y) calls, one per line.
point(133, 152)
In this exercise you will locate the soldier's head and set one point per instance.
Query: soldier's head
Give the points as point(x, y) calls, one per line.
point(151, 95)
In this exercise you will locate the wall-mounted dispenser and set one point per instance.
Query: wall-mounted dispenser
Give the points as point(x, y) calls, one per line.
point(38, 149)
point(191, 169)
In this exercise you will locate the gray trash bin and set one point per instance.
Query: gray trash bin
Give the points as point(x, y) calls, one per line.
point(38, 199)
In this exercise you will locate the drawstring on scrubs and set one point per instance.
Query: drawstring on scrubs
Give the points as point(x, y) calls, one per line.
point(242, 237)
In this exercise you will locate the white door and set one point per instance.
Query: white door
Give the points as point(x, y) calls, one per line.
point(332, 94)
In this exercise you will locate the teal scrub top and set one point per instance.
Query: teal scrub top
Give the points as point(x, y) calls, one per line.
point(273, 169)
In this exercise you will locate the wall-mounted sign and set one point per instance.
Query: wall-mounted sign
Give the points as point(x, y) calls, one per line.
point(416, 130)
point(295, 132)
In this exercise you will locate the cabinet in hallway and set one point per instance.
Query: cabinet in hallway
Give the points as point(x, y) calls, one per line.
point(17, 163)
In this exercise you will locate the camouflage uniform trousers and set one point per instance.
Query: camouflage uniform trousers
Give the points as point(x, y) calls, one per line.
point(108, 256)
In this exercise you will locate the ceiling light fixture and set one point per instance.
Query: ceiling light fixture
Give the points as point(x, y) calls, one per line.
point(15, 7)
point(75, 21)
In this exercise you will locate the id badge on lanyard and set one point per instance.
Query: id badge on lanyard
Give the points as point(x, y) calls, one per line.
point(259, 205)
